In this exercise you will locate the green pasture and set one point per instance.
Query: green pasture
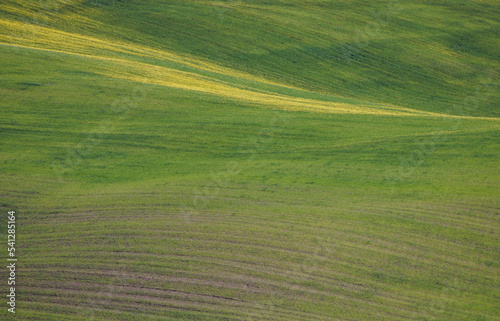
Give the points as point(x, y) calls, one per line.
point(137, 201)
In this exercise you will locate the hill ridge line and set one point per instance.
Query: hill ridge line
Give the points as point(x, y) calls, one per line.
point(153, 74)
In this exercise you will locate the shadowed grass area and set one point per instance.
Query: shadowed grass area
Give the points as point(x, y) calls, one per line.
point(251, 160)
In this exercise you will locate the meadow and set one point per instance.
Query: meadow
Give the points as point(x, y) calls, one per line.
point(251, 160)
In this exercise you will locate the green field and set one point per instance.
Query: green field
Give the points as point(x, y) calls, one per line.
point(251, 160)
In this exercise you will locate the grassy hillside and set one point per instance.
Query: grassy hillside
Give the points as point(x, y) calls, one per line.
point(420, 55)
point(251, 160)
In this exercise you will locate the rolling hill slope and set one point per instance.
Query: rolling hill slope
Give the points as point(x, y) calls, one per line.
point(251, 160)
